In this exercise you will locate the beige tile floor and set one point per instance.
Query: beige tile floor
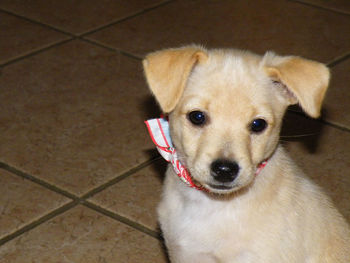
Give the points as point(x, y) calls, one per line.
point(78, 177)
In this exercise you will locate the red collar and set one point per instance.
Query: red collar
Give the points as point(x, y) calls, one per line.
point(261, 166)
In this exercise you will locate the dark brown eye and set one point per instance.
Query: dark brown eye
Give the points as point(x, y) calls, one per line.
point(258, 125)
point(196, 117)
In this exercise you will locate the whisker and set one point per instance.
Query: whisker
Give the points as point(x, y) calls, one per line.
point(299, 135)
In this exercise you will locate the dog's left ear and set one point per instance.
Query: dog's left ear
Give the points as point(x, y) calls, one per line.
point(306, 81)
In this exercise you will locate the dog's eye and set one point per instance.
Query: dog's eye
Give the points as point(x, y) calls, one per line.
point(196, 117)
point(258, 125)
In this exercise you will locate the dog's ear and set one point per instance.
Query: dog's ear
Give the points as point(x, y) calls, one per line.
point(305, 81)
point(167, 72)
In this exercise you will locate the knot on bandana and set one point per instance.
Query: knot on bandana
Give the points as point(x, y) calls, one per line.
point(160, 134)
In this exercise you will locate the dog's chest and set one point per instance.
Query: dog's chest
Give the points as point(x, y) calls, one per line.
point(226, 234)
point(206, 225)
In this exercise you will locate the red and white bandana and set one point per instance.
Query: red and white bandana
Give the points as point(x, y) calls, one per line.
point(159, 131)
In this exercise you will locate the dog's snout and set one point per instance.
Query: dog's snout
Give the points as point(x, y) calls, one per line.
point(224, 171)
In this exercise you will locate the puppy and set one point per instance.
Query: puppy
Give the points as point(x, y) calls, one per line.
point(250, 203)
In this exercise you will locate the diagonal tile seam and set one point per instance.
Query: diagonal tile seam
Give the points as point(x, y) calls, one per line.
point(80, 36)
point(335, 10)
point(76, 200)
point(127, 17)
point(38, 181)
point(123, 175)
point(90, 31)
point(339, 60)
point(34, 52)
point(62, 42)
point(321, 120)
point(36, 22)
point(335, 125)
point(110, 48)
point(119, 178)
point(123, 219)
point(38, 222)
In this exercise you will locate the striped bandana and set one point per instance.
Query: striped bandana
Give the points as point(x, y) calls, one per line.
point(159, 131)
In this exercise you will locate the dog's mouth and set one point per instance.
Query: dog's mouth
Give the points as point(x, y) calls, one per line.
point(219, 188)
point(215, 187)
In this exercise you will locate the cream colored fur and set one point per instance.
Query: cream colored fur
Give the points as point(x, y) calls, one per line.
point(275, 217)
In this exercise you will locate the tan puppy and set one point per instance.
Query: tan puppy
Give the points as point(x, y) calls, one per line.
point(225, 113)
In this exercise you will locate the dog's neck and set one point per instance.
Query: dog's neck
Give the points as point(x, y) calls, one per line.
point(159, 132)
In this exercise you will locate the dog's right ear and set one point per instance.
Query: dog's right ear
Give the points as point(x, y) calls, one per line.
point(167, 72)
point(305, 81)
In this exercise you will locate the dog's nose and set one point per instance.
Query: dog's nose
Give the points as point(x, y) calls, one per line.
point(224, 171)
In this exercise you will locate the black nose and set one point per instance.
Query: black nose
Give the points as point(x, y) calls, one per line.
point(224, 171)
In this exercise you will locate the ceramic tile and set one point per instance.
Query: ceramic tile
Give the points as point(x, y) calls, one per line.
point(16, 202)
point(77, 16)
point(20, 37)
point(283, 26)
point(336, 106)
point(137, 196)
point(323, 153)
point(342, 6)
point(82, 235)
point(75, 119)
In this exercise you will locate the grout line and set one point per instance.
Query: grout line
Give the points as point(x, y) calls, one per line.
point(110, 48)
point(64, 41)
point(48, 26)
point(119, 20)
point(90, 193)
point(335, 125)
point(123, 219)
point(334, 10)
point(33, 53)
point(119, 178)
point(38, 222)
point(84, 36)
point(323, 121)
point(338, 60)
point(38, 181)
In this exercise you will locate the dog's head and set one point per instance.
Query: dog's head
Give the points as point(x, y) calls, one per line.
point(226, 107)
